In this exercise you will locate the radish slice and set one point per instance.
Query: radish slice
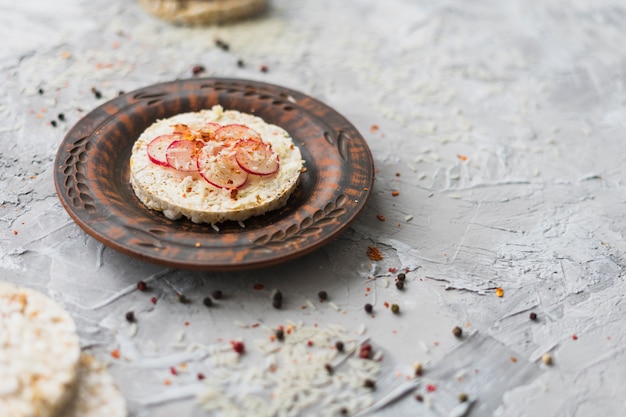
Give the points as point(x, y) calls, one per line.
point(231, 134)
point(256, 157)
point(221, 170)
point(157, 149)
point(183, 154)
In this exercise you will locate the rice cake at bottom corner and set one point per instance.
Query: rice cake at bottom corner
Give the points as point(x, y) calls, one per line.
point(161, 188)
point(39, 354)
point(97, 394)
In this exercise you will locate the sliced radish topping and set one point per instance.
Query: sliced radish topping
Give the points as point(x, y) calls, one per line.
point(256, 157)
point(157, 149)
point(221, 170)
point(231, 134)
point(183, 154)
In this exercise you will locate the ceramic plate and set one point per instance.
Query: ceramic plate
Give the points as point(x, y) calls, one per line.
point(92, 178)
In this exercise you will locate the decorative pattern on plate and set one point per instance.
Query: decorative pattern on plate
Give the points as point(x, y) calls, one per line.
point(92, 178)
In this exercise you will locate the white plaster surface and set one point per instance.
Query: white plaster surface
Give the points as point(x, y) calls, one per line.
point(500, 123)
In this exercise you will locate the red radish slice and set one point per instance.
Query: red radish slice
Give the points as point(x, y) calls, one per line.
point(256, 157)
point(157, 149)
point(231, 134)
point(183, 154)
point(221, 170)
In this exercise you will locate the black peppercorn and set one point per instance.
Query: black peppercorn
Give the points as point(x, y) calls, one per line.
point(61, 116)
point(240, 63)
point(217, 294)
point(53, 123)
point(369, 383)
point(322, 295)
point(207, 301)
point(339, 345)
point(463, 397)
point(130, 317)
point(280, 334)
point(329, 368)
point(277, 303)
point(400, 285)
point(401, 276)
point(40, 91)
point(457, 331)
point(368, 308)
point(395, 308)
point(533, 316)
point(142, 286)
point(181, 298)
point(96, 92)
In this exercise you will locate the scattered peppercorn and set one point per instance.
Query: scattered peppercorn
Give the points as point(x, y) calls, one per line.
point(142, 286)
point(40, 91)
point(240, 63)
point(222, 45)
point(277, 303)
point(533, 316)
point(369, 383)
point(121, 93)
point(400, 285)
point(96, 92)
point(419, 397)
point(207, 301)
point(61, 116)
point(197, 69)
point(263, 68)
point(339, 345)
point(181, 298)
point(322, 295)
point(380, 217)
point(277, 295)
point(238, 347)
point(280, 334)
point(401, 276)
point(329, 368)
point(217, 294)
point(418, 368)
point(200, 376)
point(463, 397)
point(457, 331)
point(153, 300)
point(547, 359)
point(395, 308)
point(130, 317)
point(53, 123)
point(343, 411)
point(368, 308)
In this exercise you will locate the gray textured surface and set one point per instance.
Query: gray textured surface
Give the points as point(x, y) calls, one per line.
point(500, 123)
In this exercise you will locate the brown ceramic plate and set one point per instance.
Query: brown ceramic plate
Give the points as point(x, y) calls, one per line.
point(92, 177)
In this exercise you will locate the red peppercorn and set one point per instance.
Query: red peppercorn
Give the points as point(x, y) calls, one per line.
point(197, 69)
point(238, 346)
point(153, 300)
point(200, 376)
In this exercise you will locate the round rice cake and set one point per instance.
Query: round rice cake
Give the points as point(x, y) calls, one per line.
point(190, 194)
point(203, 12)
point(97, 394)
point(39, 354)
